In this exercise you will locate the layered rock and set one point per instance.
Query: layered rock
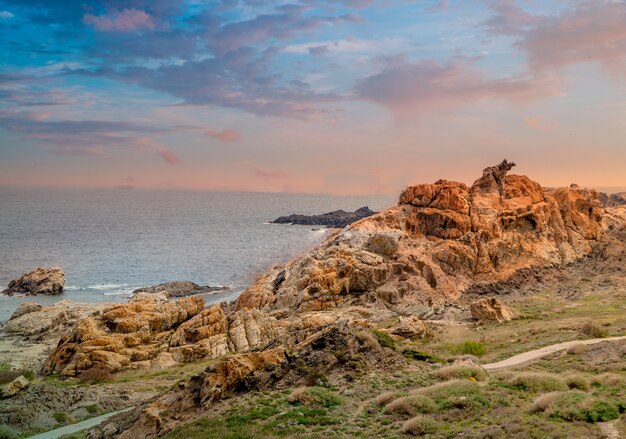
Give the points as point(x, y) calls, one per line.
point(440, 239)
point(38, 281)
point(180, 289)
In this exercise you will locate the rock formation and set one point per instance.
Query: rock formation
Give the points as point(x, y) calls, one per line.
point(38, 281)
point(611, 200)
point(491, 310)
point(180, 289)
point(440, 239)
point(15, 386)
point(338, 218)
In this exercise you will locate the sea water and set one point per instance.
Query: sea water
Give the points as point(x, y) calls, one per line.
point(110, 242)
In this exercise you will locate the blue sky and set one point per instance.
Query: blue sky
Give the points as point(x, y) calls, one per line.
point(352, 96)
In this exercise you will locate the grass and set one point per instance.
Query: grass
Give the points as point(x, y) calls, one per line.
point(6, 432)
point(467, 347)
point(462, 371)
point(420, 426)
point(384, 339)
point(421, 356)
point(577, 406)
point(538, 382)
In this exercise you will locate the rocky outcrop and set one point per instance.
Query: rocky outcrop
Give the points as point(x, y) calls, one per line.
point(180, 289)
point(491, 310)
point(612, 200)
point(38, 281)
point(137, 334)
point(439, 240)
point(338, 218)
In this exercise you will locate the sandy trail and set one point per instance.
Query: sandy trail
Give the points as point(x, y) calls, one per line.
point(528, 356)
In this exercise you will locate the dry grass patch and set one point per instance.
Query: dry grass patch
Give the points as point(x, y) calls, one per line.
point(367, 339)
point(461, 371)
point(577, 381)
point(538, 382)
point(419, 426)
point(411, 405)
point(385, 398)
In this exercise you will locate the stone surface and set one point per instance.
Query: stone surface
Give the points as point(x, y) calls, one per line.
point(612, 200)
point(38, 281)
point(491, 310)
point(25, 308)
point(179, 289)
point(338, 218)
point(15, 386)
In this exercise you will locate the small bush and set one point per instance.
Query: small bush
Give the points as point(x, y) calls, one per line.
point(468, 347)
point(608, 379)
point(545, 401)
point(95, 375)
point(411, 405)
point(9, 375)
point(318, 378)
point(367, 340)
point(538, 382)
point(92, 409)
point(7, 432)
point(60, 417)
point(385, 398)
point(461, 371)
point(576, 406)
point(419, 426)
point(315, 396)
point(577, 349)
point(421, 356)
point(577, 381)
point(592, 330)
point(456, 394)
point(384, 339)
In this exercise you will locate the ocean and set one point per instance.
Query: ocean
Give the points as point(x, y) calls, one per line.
point(111, 241)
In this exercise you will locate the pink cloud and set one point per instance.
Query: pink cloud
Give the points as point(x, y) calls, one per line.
point(225, 136)
point(169, 157)
point(509, 18)
point(592, 31)
point(404, 86)
point(126, 20)
point(540, 123)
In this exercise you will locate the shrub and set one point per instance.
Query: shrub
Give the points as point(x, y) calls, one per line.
point(576, 406)
point(456, 394)
point(29, 374)
point(468, 347)
point(9, 375)
point(7, 432)
point(384, 339)
point(411, 405)
point(545, 401)
point(95, 375)
point(577, 381)
point(419, 426)
point(592, 330)
point(318, 378)
point(421, 356)
point(367, 339)
point(538, 382)
point(92, 409)
point(460, 371)
point(577, 349)
point(315, 396)
point(60, 417)
point(385, 398)
point(609, 379)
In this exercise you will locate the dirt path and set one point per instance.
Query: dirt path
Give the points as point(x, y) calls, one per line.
point(526, 357)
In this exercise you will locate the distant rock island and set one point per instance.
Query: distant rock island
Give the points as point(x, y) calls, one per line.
point(338, 219)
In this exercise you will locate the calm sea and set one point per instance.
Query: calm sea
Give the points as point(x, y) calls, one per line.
point(110, 242)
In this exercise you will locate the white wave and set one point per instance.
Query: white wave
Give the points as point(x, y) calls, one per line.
point(126, 292)
point(72, 288)
point(106, 286)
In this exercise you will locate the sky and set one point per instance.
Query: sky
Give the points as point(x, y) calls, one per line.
point(345, 97)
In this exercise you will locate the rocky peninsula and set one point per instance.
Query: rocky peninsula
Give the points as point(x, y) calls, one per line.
point(336, 219)
point(387, 300)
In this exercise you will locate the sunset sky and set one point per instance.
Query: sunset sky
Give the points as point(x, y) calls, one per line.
point(345, 97)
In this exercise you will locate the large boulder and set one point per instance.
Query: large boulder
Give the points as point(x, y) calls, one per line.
point(491, 310)
point(38, 281)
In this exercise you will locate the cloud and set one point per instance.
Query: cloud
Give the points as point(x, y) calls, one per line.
point(126, 20)
point(225, 136)
point(404, 86)
point(593, 31)
point(509, 18)
point(540, 123)
point(85, 137)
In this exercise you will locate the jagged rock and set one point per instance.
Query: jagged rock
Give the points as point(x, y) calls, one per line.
point(612, 200)
point(179, 289)
point(409, 327)
point(439, 240)
point(337, 218)
point(38, 281)
point(491, 310)
point(25, 308)
point(15, 386)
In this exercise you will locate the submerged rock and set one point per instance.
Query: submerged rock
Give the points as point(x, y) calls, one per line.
point(38, 281)
point(338, 218)
point(180, 289)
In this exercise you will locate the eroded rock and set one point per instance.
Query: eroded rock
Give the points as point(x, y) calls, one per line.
point(15, 386)
point(491, 310)
point(38, 281)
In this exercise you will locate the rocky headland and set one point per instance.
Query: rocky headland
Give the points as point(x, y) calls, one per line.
point(443, 256)
point(38, 281)
point(336, 219)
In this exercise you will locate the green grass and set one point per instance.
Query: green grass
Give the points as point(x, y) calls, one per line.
point(467, 347)
point(384, 339)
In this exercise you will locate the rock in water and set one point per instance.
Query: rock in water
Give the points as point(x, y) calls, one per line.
point(38, 281)
point(491, 310)
point(338, 218)
point(180, 289)
point(15, 386)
